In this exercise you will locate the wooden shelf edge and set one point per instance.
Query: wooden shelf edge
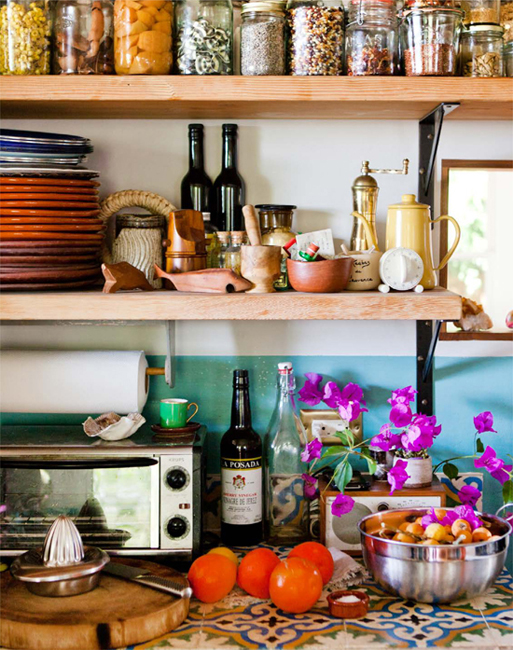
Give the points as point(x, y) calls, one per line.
point(438, 304)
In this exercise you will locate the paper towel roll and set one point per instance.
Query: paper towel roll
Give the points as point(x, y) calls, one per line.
point(72, 382)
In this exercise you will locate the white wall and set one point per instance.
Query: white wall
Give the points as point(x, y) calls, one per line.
point(309, 163)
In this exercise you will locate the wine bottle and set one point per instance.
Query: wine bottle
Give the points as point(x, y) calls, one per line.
point(196, 185)
point(241, 472)
point(228, 190)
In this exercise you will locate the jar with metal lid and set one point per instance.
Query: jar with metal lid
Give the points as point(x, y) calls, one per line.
point(371, 38)
point(430, 4)
point(25, 37)
point(276, 227)
point(506, 19)
point(262, 39)
point(237, 22)
point(143, 36)
point(481, 51)
point(316, 37)
point(204, 37)
point(481, 11)
point(508, 59)
point(83, 37)
point(430, 41)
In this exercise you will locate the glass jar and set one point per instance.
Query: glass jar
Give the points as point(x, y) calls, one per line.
point(430, 40)
point(83, 37)
point(204, 37)
point(224, 241)
point(275, 225)
point(316, 37)
point(371, 38)
point(262, 39)
point(232, 258)
point(506, 19)
point(429, 4)
point(237, 22)
point(481, 51)
point(143, 37)
point(508, 59)
point(25, 37)
point(481, 11)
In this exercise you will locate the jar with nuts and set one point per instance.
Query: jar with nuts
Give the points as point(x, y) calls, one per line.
point(83, 37)
point(481, 11)
point(482, 51)
point(143, 36)
point(507, 19)
point(25, 34)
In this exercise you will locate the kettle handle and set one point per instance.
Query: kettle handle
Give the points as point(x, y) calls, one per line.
point(456, 241)
point(367, 228)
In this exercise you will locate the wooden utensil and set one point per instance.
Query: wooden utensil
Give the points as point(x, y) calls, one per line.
point(117, 614)
point(123, 276)
point(252, 225)
point(206, 280)
point(261, 265)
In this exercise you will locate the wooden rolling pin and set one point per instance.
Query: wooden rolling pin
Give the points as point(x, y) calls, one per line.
point(252, 225)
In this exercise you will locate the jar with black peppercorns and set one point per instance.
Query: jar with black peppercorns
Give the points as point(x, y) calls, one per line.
point(371, 38)
point(316, 37)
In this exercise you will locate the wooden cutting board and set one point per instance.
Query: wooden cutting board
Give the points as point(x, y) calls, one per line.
point(115, 614)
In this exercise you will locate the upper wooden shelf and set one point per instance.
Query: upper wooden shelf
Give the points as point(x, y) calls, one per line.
point(438, 304)
point(253, 97)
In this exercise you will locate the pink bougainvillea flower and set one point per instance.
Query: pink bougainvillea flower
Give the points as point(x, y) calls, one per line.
point(332, 395)
point(397, 476)
point(400, 415)
point(427, 424)
point(494, 465)
point(350, 410)
point(386, 440)
point(469, 495)
point(484, 422)
point(403, 396)
point(3, 508)
point(342, 505)
point(430, 518)
point(312, 450)
point(353, 392)
point(311, 393)
point(462, 512)
point(310, 486)
point(415, 439)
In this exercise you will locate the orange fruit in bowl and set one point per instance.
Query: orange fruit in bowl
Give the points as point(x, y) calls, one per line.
point(415, 529)
point(212, 577)
point(403, 537)
point(255, 572)
point(295, 585)
point(440, 513)
point(481, 534)
point(429, 542)
point(404, 526)
point(319, 555)
point(223, 550)
point(436, 532)
point(458, 526)
point(463, 536)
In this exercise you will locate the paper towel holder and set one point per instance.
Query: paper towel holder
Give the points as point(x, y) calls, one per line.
point(168, 371)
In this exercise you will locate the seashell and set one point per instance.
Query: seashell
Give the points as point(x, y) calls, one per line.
point(111, 426)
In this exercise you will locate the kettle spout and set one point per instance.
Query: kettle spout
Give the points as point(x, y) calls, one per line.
point(369, 233)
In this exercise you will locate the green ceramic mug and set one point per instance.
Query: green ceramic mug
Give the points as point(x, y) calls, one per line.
point(173, 412)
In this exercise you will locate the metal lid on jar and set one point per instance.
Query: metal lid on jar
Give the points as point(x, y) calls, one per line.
point(269, 207)
point(497, 30)
point(140, 221)
point(269, 6)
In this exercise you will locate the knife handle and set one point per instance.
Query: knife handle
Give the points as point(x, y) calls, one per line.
point(165, 584)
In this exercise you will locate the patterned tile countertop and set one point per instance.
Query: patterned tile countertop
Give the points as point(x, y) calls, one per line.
point(241, 621)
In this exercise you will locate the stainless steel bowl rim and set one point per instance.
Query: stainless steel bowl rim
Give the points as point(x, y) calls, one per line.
point(25, 565)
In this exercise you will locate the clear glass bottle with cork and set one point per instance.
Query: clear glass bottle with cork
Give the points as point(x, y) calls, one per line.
point(232, 254)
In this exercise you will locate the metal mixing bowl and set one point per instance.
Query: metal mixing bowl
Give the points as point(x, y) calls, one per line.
point(432, 574)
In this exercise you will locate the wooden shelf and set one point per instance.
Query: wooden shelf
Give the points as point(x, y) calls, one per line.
point(253, 97)
point(166, 305)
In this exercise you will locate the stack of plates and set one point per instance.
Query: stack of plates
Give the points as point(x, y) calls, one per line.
point(50, 233)
point(42, 149)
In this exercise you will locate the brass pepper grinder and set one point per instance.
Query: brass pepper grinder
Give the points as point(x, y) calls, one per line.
point(365, 200)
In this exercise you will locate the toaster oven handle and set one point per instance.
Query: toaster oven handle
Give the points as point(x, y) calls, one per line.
point(86, 463)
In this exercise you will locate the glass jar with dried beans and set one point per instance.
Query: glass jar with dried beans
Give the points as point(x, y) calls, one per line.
point(316, 37)
point(143, 36)
point(481, 51)
point(507, 19)
point(430, 40)
point(429, 4)
point(25, 36)
point(371, 38)
point(481, 11)
point(83, 37)
point(204, 37)
point(508, 59)
point(262, 39)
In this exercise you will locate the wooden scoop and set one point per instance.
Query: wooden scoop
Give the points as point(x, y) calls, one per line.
point(252, 225)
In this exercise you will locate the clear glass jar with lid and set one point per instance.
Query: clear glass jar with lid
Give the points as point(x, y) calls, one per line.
point(262, 38)
point(481, 52)
point(481, 11)
point(371, 38)
point(204, 37)
point(276, 227)
point(25, 37)
point(507, 19)
point(508, 59)
point(316, 37)
point(83, 37)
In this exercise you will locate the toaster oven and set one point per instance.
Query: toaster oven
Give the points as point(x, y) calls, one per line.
point(131, 497)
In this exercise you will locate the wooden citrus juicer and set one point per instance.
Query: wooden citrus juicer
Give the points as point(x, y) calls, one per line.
point(260, 264)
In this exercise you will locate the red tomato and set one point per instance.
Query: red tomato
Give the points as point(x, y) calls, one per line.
point(319, 555)
point(295, 585)
point(212, 577)
point(255, 571)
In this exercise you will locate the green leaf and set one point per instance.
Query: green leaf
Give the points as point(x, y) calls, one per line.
point(372, 465)
point(346, 437)
point(479, 446)
point(331, 451)
point(343, 474)
point(507, 491)
point(450, 470)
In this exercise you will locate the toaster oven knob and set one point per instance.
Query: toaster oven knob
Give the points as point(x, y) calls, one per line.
point(176, 527)
point(176, 479)
point(383, 506)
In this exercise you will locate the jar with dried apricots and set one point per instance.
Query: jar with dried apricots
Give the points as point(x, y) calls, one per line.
point(143, 36)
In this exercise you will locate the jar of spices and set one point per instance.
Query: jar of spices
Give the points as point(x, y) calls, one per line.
point(83, 37)
point(430, 40)
point(224, 241)
point(371, 38)
point(25, 36)
point(430, 4)
point(481, 11)
point(275, 225)
point(204, 37)
point(262, 39)
point(506, 19)
point(232, 258)
point(143, 36)
point(316, 37)
point(508, 59)
point(481, 51)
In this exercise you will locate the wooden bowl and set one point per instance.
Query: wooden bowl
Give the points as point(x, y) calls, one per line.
point(348, 610)
point(327, 276)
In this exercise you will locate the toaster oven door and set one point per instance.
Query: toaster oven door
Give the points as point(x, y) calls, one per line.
point(113, 501)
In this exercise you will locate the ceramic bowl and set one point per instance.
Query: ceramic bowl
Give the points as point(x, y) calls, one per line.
point(327, 276)
point(348, 610)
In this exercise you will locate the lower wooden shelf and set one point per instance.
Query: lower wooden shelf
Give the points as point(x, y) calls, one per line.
point(438, 304)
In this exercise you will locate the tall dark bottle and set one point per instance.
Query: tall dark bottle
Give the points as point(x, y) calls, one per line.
point(196, 185)
point(228, 190)
point(241, 472)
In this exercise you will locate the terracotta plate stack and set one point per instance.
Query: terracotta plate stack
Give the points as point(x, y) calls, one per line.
point(50, 233)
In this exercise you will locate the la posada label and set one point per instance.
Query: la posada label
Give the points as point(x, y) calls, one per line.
point(241, 486)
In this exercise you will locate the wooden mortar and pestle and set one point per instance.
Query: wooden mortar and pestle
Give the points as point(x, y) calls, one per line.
point(260, 264)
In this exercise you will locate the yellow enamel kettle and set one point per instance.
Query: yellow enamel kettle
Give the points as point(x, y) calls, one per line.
point(409, 225)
